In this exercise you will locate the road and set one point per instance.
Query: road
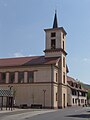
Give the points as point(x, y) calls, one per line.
point(75, 113)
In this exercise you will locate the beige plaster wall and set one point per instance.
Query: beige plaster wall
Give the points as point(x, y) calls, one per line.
point(62, 90)
point(55, 71)
point(31, 94)
point(52, 54)
point(54, 94)
point(69, 97)
point(41, 74)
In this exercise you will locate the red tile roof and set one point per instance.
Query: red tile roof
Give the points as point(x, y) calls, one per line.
point(34, 60)
point(70, 79)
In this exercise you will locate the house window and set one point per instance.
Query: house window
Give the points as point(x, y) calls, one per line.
point(63, 36)
point(11, 77)
point(30, 77)
point(53, 34)
point(63, 45)
point(76, 101)
point(72, 84)
point(53, 44)
point(56, 77)
point(82, 100)
point(20, 77)
point(56, 97)
point(2, 77)
point(76, 85)
point(63, 61)
point(64, 77)
point(74, 92)
point(80, 86)
point(83, 94)
point(73, 100)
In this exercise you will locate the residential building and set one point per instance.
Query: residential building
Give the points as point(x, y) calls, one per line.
point(76, 94)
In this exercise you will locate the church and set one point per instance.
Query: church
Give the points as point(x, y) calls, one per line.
point(39, 80)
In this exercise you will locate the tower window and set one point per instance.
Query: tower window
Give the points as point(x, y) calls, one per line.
point(63, 36)
point(56, 77)
point(53, 44)
point(63, 61)
point(53, 34)
point(64, 77)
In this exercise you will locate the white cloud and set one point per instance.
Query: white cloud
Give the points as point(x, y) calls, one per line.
point(32, 55)
point(86, 60)
point(18, 54)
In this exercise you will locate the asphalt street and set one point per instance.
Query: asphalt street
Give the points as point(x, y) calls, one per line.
point(75, 113)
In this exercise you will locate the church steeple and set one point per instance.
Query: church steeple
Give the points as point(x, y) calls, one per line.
point(55, 23)
point(55, 40)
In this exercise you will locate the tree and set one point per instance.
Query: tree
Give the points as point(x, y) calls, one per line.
point(88, 94)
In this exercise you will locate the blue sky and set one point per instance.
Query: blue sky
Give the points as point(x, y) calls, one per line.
point(21, 30)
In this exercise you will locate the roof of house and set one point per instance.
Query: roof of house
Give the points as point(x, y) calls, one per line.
point(75, 81)
point(25, 61)
point(71, 79)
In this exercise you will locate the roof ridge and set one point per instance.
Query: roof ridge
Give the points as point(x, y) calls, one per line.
point(20, 57)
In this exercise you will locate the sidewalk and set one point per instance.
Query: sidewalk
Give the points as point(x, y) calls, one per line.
point(22, 114)
point(32, 110)
point(24, 110)
point(14, 110)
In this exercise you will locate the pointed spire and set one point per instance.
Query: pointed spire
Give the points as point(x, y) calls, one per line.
point(55, 23)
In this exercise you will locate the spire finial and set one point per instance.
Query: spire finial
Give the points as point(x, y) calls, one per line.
point(55, 23)
point(55, 11)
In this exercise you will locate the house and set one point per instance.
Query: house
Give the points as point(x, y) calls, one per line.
point(39, 80)
point(76, 94)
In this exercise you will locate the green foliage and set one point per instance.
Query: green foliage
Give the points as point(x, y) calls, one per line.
point(86, 86)
point(88, 94)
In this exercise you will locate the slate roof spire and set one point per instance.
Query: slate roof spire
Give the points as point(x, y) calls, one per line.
point(55, 23)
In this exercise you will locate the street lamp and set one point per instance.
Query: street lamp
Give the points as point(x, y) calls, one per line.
point(44, 91)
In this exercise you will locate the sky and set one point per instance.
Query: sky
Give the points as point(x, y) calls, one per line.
point(22, 24)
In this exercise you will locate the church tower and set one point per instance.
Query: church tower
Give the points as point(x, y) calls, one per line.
point(55, 40)
point(56, 47)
